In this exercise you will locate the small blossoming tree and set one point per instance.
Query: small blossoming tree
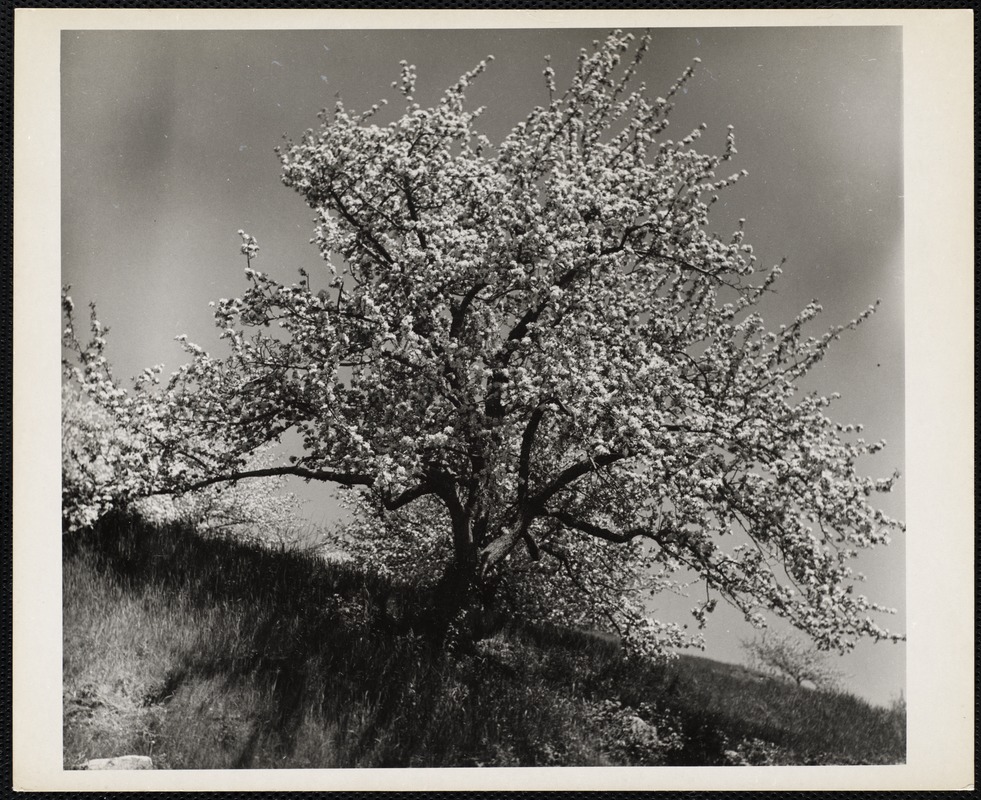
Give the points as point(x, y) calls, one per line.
point(536, 364)
point(788, 657)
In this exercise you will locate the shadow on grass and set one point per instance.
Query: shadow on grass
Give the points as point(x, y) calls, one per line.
point(307, 636)
point(275, 659)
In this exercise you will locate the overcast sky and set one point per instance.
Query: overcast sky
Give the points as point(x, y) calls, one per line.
point(167, 150)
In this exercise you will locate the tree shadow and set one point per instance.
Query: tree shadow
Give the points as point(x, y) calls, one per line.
point(316, 637)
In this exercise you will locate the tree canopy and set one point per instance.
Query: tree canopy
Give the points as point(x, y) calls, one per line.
point(535, 360)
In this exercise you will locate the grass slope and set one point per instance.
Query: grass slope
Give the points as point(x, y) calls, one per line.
point(208, 654)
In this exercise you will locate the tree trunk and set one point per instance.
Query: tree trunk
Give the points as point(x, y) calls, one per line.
point(460, 609)
point(463, 600)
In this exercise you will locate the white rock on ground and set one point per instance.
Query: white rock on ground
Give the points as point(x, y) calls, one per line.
point(120, 762)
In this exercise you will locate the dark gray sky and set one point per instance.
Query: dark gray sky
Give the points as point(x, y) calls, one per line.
point(167, 150)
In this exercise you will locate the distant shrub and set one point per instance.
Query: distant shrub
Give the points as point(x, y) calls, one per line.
point(260, 512)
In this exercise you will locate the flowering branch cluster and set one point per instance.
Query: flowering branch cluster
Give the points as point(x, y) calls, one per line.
point(542, 341)
point(100, 460)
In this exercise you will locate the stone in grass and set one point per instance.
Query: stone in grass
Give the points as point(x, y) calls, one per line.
point(119, 762)
point(639, 727)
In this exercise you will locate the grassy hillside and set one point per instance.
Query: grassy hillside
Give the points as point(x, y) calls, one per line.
point(204, 653)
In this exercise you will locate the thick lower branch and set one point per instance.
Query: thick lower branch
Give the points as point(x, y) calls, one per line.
point(342, 478)
point(406, 497)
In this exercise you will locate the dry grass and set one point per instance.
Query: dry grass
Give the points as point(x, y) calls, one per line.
point(210, 654)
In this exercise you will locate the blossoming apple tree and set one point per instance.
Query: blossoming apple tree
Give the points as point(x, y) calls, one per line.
point(788, 657)
point(534, 359)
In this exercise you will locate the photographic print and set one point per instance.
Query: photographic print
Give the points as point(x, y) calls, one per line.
point(483, 397)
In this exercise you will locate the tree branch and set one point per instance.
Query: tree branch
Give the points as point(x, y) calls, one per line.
point(378, 247)
point(652, 253)
point(406, 497)
point(342, 478)
point(532, 314)
point(573, 473)
point(414, 213)
point(598, 531)
point(459, 313)
point(527, 442)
